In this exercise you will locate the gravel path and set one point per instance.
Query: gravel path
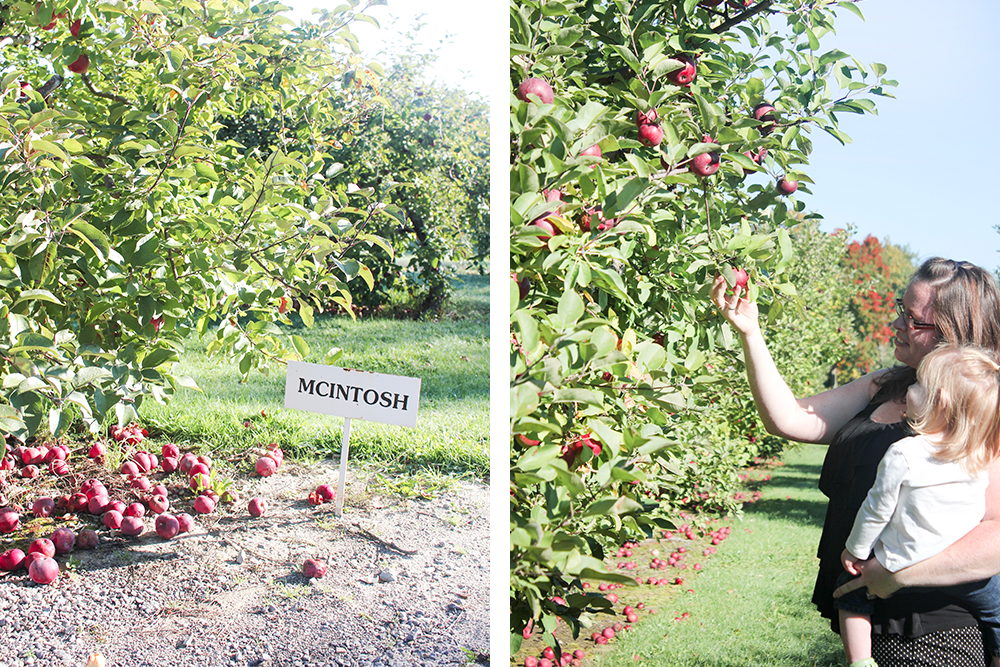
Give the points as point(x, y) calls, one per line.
point(408, 584)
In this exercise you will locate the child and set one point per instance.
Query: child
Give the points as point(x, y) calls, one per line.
point(930, 489)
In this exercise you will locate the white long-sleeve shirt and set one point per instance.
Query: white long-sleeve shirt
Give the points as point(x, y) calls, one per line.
point(917, 507)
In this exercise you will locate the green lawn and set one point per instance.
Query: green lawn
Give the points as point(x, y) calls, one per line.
point(450, 355)
point(750, 604)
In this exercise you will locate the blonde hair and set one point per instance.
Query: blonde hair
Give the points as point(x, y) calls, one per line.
point(961, 407)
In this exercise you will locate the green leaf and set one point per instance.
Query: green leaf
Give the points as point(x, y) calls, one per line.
point(38, 295)
point(300, 345)
point(570, 308)
point(93, 237)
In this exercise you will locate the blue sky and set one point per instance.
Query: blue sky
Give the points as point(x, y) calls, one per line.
point(923, 173)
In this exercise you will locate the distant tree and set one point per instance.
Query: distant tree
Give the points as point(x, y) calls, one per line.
point(879, 273)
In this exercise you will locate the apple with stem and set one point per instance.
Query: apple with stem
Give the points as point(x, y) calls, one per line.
point(787, 187)
point(650, 135)
point(706, 164)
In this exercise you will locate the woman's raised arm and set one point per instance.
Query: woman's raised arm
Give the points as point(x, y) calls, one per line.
point(813, 419)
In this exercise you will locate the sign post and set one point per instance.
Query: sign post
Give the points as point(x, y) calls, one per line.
point(351, 394)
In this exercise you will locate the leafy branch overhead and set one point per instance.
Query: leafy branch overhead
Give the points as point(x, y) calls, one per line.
point(127, 221)
point(653, 147)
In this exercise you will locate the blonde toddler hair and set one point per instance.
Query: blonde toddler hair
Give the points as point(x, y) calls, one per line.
point(961, 406)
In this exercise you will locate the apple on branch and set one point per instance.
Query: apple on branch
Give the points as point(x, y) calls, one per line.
point(537, 87)
point(685, 75)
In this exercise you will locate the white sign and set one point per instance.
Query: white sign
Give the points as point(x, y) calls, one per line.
point(345, 392)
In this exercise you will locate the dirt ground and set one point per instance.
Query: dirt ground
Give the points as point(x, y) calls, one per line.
point(407, 584)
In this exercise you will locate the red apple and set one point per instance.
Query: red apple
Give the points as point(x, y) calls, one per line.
point(204, 504)
point(97, 504)
point(43, 507)
point(132, 526)
point(186, 461)
point(326, 492)
point(63, 540)
point(87, 539)
point(650, 135)
point(97, 450)
point(257, 507)
point(170, 449)
point(537, 87)
point(129, 469)
point(266, 466)
point(112, 519)
point(199, 481)
point(167, 526)
point(787, 187)
point(314, 568)
point(135, 509)
point(645, 117)
point(764, 112)
point(168, 464)
point(74, 27)
point(11, 560)
point(43, 570)
point(686, 74)
point(44, 546)
point(543, 224)
point(593, 151)
point(705, 164)
point(185, 522)
point(158, 504)
point(80, 65)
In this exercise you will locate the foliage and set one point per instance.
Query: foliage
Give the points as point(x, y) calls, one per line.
point(612, 334)
point(127, 225)
point(880, 273)
point(426, 156)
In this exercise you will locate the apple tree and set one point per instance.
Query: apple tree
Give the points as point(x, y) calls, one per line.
point(654, 145)
point(128, 223)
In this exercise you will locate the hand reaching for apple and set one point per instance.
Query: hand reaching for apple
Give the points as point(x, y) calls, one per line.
point(739, 311)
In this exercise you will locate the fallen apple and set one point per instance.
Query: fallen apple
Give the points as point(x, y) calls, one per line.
point(63, 540)
point(11, 560)
point(257, 507)
point(87, 539)
point(43, 507)
point(204, 504)
point(43, 570)
point(158, 504)
point(44, 546)
point(167, 526)
point(185, 522)
point(132, 526)
point(112, 519)
point(266, 466)
point(313, 568)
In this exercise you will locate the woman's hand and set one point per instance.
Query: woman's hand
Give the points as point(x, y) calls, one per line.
point(740, 312)
point(879, 581)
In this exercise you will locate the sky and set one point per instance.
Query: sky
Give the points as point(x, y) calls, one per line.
point(923, 172)
point(464, 49)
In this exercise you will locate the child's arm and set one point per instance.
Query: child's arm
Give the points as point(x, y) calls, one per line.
point(972, 558)
point(880, 504)
point(850, 562)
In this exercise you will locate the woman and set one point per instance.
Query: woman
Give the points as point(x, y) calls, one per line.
point(946, 301)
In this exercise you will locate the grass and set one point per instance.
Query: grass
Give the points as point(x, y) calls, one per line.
point(751, 603)
point(450, 355)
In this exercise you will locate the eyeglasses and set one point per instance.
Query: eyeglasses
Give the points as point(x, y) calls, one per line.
point(908, 319)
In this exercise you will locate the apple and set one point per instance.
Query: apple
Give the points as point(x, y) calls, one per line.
point(98, 504)
point(11, 560)
point(129, 469)
point(257, 507)
point(204, 504)
point(44, 546)
point(87, 539)
point(140, 482)
point(29, 472)
point(549, 653)
point(186, 461)
point(132, 526)
point(199, 467)
point(77, 502)
point(169, 464)
point(97, 450)
point(74, 27)
point(787, 187)
point(686, 74)
point(650, 135)
point(43, 507)
point(158, 504)
point(531, 661)
point(645, 117)
point(167, 526)
point(593, 151)
point(199, 481)
point(144, 461)
point(43, 570)
point(117, 506)
point(55, 454)
point(537, 87)
point(135, 509)
point(158, 490)
point(205, 460)
point(185, 522)
point(266, 466)
point(705, 164)
point(543, 224)
point(170, 449)
point(112, 519)
point(764, 112)
point(609, 633)
point(313, 568)
point(326, 492)
point(63, 539)
point(93, 487)
point(230, 496)
point(80, 65)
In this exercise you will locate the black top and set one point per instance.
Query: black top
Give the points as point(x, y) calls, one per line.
point(849, 471)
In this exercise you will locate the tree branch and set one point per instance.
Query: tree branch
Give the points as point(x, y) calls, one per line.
point(743, 16)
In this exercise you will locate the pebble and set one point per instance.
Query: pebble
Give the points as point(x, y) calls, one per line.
point(386, 576)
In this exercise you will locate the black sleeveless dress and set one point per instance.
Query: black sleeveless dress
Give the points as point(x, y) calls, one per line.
point(848, 473)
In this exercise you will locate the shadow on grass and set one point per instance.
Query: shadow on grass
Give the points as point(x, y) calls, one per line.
point(789, 479)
